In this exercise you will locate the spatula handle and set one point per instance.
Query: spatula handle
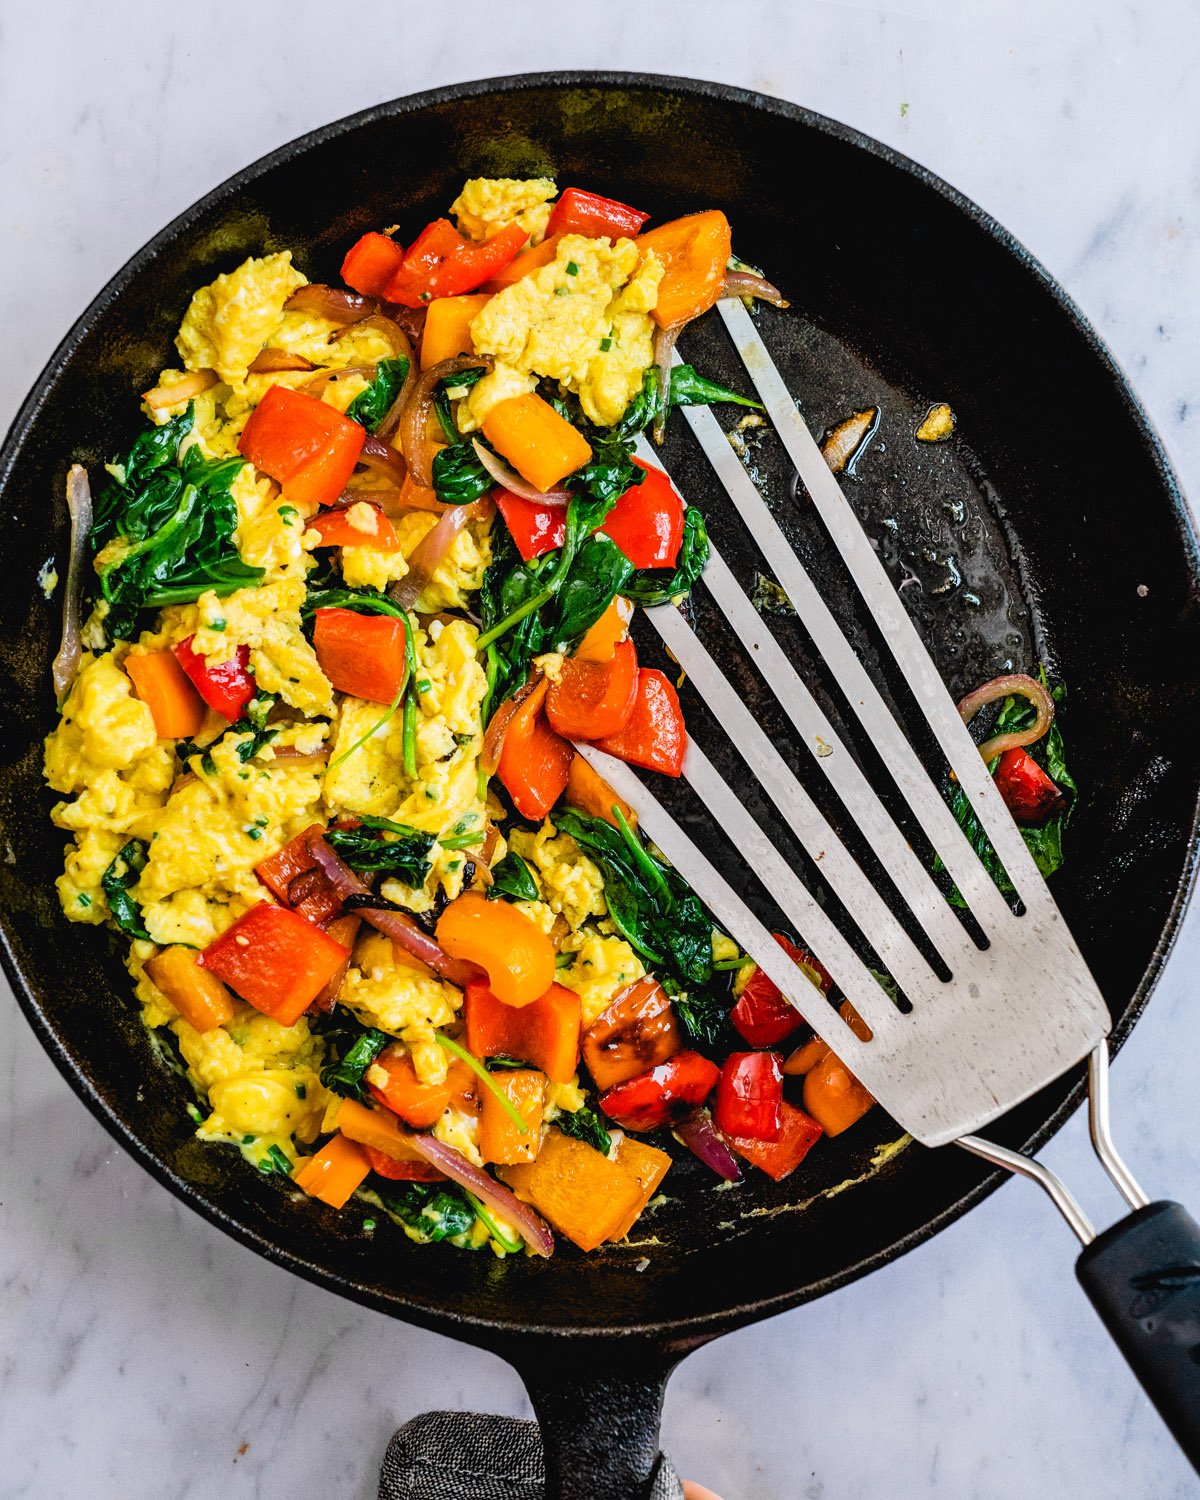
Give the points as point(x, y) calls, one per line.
point(1143, 1277)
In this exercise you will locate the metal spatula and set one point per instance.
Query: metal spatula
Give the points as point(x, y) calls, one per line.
point(981, 1030)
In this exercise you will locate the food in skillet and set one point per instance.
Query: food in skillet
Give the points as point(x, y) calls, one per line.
point(358, 587)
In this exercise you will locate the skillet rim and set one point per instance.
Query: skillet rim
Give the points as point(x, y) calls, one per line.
point(689, 1331)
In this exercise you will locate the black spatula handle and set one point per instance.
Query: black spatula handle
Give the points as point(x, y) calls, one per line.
point(1143, 1276)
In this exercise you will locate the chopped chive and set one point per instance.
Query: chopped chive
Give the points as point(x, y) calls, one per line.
point(196, 1116)
point(572, 268)
point(368, 1225)
point(302, 1091)
point(561, 291)
point(605, 345)
point(463, 841)
point(731, 963)
point(482, 1073)
point(423, 684)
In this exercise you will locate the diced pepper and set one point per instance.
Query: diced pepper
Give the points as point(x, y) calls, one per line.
point(592, 699)
point(590, 793)
point(447, 329)
point(440, 263)
point(199, 997)
point(694, 251)
point(542, 446)
point(417, 1103)
point(603, 638)
point(647, 521)
point(336, 1171)
point(833, 1096)
point(638, 1031)
point(544, 1033)
point(532, 259)
point(655, 736)
point(371, 262)
point(306, 445)
point(1028, 792)
point(163, 686)
point(362, 655)
point(500, 1141)
point(227, 687)
point(583, 1194)
point(535, 763)
point(535, 528)
point(806, 1057)
point(360, 525)
point(509, 946)
point(415, 496)
point(342, 930)
point(750, 1096)
point(762, 1016)
point(798, 1133)
point(577, 212)
point(276, 960)
point(381, 1138)
point(294, 877)
point(663, 1094)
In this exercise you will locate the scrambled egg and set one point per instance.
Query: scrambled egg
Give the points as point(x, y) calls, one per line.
point(487, 205)
point(228, 322)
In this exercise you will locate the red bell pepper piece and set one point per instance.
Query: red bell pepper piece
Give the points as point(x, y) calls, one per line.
point(544, 1033)
point(337, 528)
point(663, 1095)
point(594, 698)
point(535, 763)
point(535, 528)
point(310, 448)
point(762, 1016)
point(578, 212)
point(655, 736)
point(371, 262)
point(295, 879)
point(750, 1096)
point(276, 960)
point(363, 655)
point(1029, 793)
point(647, 521)
point(440, 263)
point(227, 687)
point(401, 1171)
point(798, 1134)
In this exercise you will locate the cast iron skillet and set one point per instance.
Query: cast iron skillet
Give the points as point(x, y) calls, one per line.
point(1053, 507)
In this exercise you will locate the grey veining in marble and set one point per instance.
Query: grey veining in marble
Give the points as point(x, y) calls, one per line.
point(142, 1354)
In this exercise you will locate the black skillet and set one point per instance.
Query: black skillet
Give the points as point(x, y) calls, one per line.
point(1052, 528)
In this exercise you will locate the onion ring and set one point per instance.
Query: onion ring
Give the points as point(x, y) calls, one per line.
point(79, 507)
point(750, 284)
point(388, 327)
point(382, 458)
point(508, 478)
point(414, 419)
point(272, 361)
point(428, 556)
point(1018, 684)
point(498, 724)
point(330, 302)
point(316, 386)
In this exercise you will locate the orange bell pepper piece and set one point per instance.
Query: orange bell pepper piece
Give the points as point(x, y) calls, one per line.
point(654, 736)
point(342, 930)
point(532, 259)
point(542, 446)
point(371, 262)
point(592, 699)
point(418, 1104)
point(415, 496)
point(694, 251)
point(166, 690)
point(833, 1096)
point(638, 1031)
point(276, 960)
point(510, 947)
point(797, 1136)
point(603, 638)
point(647, 1165)
point(544, 1033)
point(381, 1138)
point(590, 793)
point(535, 763)
point(334, 1173)
point(806, 1057)
point(362, 655)
point(499, 1139)
point(448, 328)
point(199, 997)
point(310, 448)
point(366, 527)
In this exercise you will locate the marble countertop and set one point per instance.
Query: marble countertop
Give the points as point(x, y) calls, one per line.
point(145, 1354)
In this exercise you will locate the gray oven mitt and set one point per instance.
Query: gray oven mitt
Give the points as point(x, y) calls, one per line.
point(463, 1455)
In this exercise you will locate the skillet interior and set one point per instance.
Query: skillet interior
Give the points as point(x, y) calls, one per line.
point(903, 294)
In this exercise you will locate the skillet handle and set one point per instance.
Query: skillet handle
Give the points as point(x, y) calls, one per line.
point(599, 1423)
point(1143, 1277)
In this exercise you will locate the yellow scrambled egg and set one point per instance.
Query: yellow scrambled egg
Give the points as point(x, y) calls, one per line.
point(487, 205)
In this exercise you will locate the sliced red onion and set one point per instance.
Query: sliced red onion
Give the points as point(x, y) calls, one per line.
point(508, 478)
point(749, 284)
point(664, 350)
point(391, 420)
point(397, 925)
point(699, 1135)
point(331, 302)
point(414, 419)
point(428, 556)
point(530, 1226)
point(316, 386)
point(382, 458)
point(390, 329)
point(193, 384)
point(79, 507)
point(1018, 684)
point(296, 757)
point(271, 361)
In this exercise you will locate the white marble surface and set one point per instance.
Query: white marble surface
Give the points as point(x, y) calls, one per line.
point(144, 1354)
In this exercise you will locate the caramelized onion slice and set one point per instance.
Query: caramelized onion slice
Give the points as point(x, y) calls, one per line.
point(750, 284)
point(664, 353)
point(316, 386)
point(382, 458)
point(330, 302)
point(79, 508)
point(414, 419)
point(699, 1135)
point(497, 730)
point(193, 384)
point(508, 478)
point(390, 329)
point(1011, 684)
point(272, 361)
point(428, 556)
point(532, 1228)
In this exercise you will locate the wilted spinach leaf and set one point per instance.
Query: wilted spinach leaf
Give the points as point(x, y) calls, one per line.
point(430, 1212)
point(125, 871)
point(371, 406)
point(358, 1051)
point(369, 849)
point(458, 475)
point(660, 585)
point(586, 1125)
point(512, 877)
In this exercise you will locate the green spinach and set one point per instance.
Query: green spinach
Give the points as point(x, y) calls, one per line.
point(429, 1212)
point(358, 1049)
point(512, 877)
point(124, 872)
point(585, 1125)
point(661, 585)
point(381, 847)
point(458, 475)
point(370, 407)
